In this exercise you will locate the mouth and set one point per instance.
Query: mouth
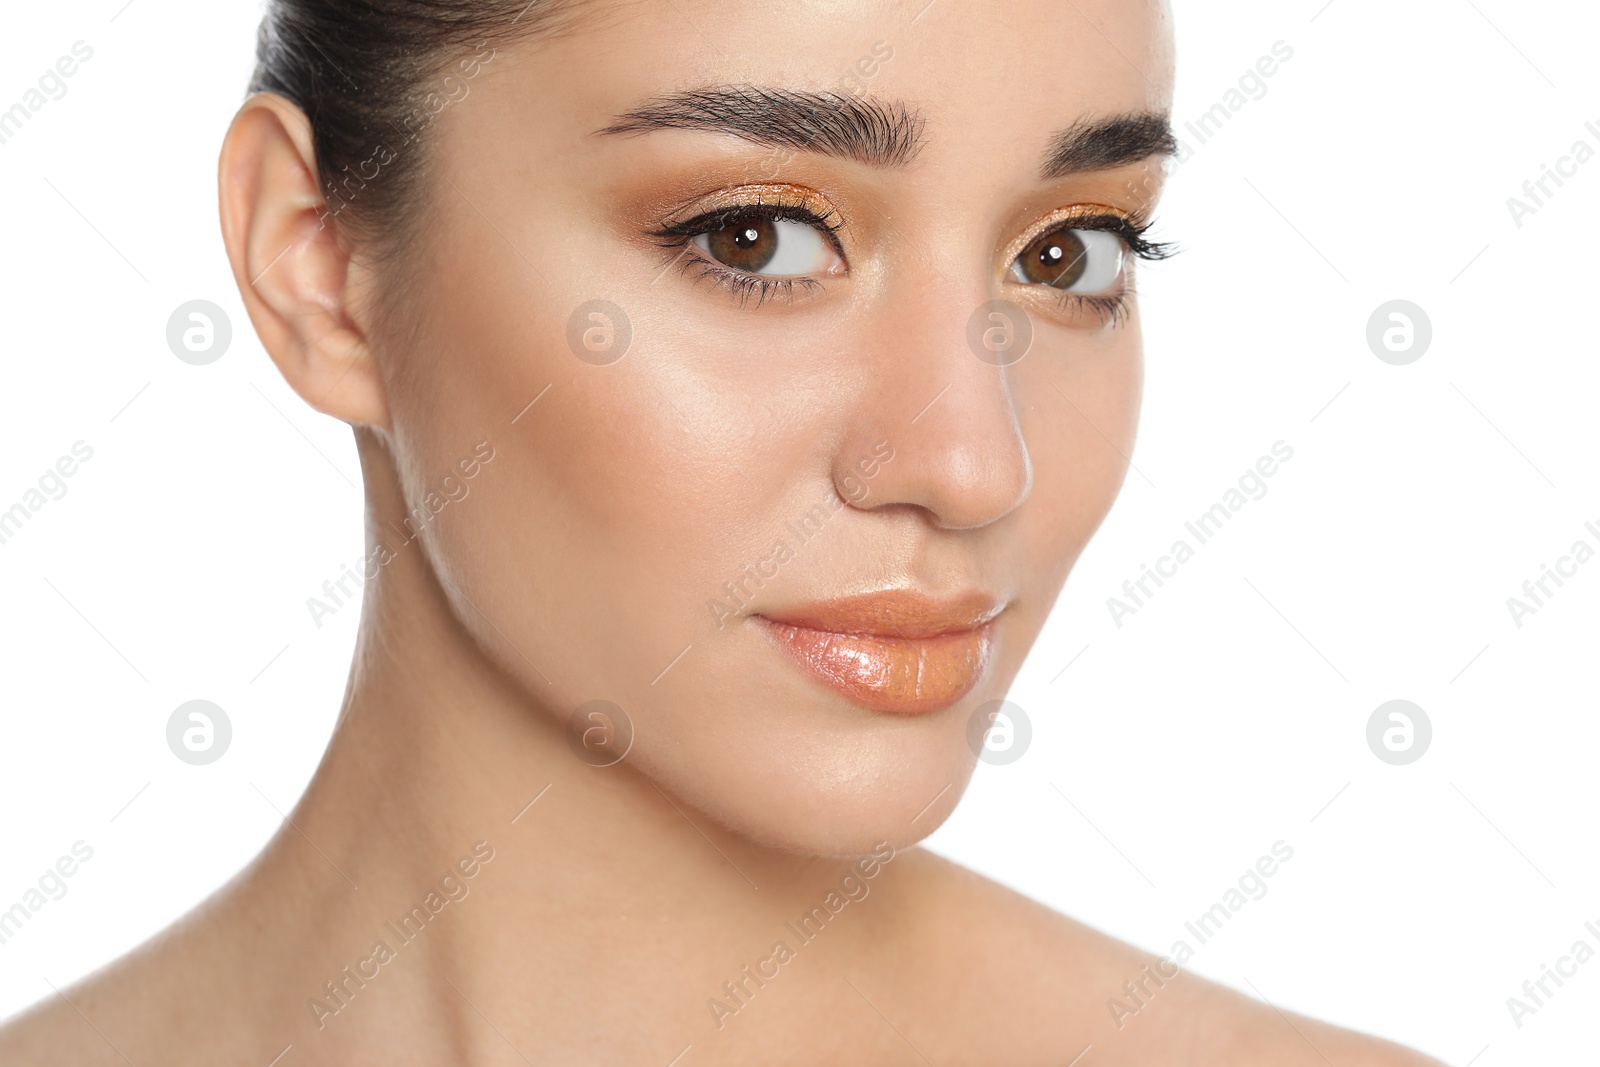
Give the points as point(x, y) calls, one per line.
point(894, 650)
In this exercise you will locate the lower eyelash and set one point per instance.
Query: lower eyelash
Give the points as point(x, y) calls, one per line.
point(1112, 310)
point(741, 283)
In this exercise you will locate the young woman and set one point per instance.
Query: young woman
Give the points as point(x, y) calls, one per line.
point(734, 385)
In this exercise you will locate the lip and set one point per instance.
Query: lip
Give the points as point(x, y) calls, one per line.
point(895, 650)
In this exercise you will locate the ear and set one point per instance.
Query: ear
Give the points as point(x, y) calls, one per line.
point(291, 268)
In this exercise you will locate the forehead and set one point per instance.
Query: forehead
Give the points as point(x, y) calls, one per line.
point(984, 75)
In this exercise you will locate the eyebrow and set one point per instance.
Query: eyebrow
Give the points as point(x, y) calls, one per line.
point(1107, 143)
point(880, 133)
point(877, 133)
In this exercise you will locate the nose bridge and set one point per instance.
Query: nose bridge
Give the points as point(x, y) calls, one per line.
point(945, 412)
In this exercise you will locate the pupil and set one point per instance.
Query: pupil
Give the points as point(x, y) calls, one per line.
point(746, 245)
point(1058, 259)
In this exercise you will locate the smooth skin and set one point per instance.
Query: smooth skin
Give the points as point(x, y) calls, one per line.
point(581, 564)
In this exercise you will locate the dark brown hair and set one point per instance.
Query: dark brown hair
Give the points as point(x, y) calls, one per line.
point(372, 75)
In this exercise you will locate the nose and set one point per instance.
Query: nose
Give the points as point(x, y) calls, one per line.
point(945, 415)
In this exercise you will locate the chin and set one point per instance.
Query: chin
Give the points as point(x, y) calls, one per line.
point(832, 789)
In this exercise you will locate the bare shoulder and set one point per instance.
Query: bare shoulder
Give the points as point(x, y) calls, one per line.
point(134, 1009)
point(1060, 989)
point(57, 1029)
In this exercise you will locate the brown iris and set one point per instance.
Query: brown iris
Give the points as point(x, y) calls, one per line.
point(1058, 258)
point(746, 243)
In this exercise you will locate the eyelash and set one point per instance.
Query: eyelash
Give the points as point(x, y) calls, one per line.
point(1111, 310)
point(677, 236)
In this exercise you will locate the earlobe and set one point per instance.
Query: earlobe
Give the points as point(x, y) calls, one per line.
point(291, 267)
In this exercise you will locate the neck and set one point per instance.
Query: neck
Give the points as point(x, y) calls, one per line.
point(453, 861)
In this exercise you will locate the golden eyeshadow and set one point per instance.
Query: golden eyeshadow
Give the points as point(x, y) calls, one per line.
point(1054, 220)
point(751, 194)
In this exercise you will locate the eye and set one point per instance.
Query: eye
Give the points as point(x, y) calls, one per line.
point(761, 242)
point(1077, 261)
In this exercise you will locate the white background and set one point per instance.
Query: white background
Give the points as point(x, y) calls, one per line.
point(1228, 713)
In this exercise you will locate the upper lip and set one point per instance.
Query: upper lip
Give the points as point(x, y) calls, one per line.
point(893, 613)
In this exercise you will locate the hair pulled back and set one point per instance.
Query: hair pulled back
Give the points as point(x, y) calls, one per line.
point(372, 76)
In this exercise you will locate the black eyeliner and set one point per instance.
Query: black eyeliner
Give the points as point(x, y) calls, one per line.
point(727, 216)
point(1132, 234)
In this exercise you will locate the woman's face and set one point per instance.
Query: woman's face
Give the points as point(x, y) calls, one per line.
point(741, 418)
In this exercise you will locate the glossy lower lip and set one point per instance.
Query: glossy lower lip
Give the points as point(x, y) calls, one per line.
point(893, 651)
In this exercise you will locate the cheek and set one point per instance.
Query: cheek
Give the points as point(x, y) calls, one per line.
point(615, 506)
point(603, 508)
point(1078, 406)
point(1080, 428)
